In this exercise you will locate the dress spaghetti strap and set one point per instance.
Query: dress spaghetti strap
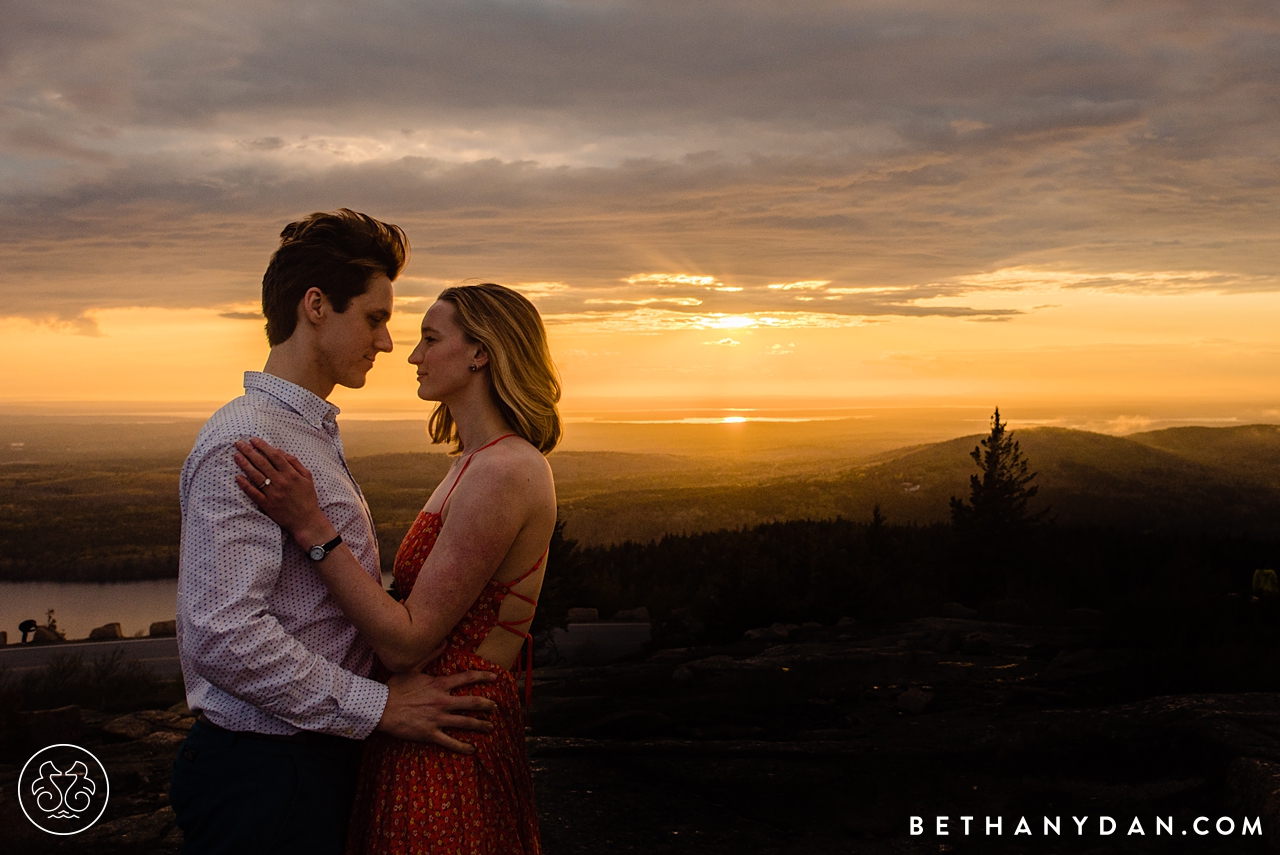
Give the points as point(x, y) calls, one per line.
point(467, 463)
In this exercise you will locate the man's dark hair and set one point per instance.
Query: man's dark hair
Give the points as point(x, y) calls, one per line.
point(336, 252)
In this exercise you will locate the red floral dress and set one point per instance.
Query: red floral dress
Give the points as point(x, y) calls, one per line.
point(418, 798)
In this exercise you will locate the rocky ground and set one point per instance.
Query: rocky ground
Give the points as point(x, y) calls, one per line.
point(827, 740)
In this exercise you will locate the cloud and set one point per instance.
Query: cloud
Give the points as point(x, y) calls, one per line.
point(872, 159)
point(262, 144)
point(807, 285)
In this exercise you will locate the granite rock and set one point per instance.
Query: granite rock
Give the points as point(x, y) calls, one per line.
point(163, 629)
point(127, 727)
point(914, 701)
point(48, 727)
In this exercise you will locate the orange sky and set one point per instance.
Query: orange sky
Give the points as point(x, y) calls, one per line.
point(827, 201)
point(1072, 345)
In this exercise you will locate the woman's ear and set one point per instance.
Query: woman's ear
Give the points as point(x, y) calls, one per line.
point(480, 358)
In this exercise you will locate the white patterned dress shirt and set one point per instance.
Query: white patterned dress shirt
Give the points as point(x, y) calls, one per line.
point(264, 647)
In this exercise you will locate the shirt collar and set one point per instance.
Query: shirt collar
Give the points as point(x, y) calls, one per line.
point(307, 404)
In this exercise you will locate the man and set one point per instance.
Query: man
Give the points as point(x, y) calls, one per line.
point(276, 674)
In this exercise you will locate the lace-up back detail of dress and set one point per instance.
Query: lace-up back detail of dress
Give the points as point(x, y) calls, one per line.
point(479, 621)
point(416, 798)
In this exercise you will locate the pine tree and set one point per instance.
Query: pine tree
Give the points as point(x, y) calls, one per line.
point(998, 499)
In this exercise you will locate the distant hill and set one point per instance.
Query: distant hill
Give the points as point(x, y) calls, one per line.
point(1225, 479)
point(1252, 452)
point(94, 516)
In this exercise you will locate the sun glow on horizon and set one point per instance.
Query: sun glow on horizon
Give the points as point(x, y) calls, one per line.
point(1078, 336)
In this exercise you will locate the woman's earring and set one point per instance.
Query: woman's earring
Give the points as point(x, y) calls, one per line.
point(475, 367)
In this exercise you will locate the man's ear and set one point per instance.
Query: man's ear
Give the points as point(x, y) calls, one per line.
point(313, 306)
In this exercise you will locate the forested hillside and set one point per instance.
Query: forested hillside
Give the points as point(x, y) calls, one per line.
point(1210, 479)
point(96, 515)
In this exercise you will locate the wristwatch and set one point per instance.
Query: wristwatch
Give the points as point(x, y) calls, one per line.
point(319, 551)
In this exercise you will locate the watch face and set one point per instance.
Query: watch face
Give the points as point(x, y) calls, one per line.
point(316, 553)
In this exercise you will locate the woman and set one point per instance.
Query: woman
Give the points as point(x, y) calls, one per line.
point(470, 569)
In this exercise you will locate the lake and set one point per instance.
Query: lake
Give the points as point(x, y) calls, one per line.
point(80, 606)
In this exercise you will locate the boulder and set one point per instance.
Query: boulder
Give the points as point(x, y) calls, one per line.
point(584, 615)
point(167, 719)
point(640, 615)
point(49, 727)
point(957, 610)
point(180, 708)
point(110, 630)
point(975, 644)
point(545, 652)
point(126, 727)
point(914, 701)
point(681, 628)
point(163, 629)
point(131, 833)
point(776, 632)
point(163, 738)
point(159, 718)
point(1082, 617)
point(949, 641)
point(1255, 784)
point(44, 635)
point(4, 639)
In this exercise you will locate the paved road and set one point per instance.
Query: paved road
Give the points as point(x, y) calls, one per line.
point(159, 654)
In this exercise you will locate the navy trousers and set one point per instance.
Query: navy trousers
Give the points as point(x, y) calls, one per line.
point(237, 793)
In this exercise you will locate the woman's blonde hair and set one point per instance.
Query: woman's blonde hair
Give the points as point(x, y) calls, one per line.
point(526, 385)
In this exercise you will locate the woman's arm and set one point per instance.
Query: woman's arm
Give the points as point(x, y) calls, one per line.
point(486, 514)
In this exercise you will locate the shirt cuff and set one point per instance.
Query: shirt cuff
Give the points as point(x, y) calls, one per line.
point(362, 708)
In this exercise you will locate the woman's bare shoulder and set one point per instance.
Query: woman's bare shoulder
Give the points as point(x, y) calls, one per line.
point(512, 463)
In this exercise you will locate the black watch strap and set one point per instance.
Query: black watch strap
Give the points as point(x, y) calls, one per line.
point(317, 553)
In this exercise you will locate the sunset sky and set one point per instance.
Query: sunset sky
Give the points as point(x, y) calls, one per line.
point(729, 202)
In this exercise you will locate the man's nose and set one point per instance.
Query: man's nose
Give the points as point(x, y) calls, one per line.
point(383, 341)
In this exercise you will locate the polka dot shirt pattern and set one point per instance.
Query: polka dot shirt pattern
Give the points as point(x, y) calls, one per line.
point(263, 646)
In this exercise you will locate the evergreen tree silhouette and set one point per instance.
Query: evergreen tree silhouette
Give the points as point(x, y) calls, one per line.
point(998, 499)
